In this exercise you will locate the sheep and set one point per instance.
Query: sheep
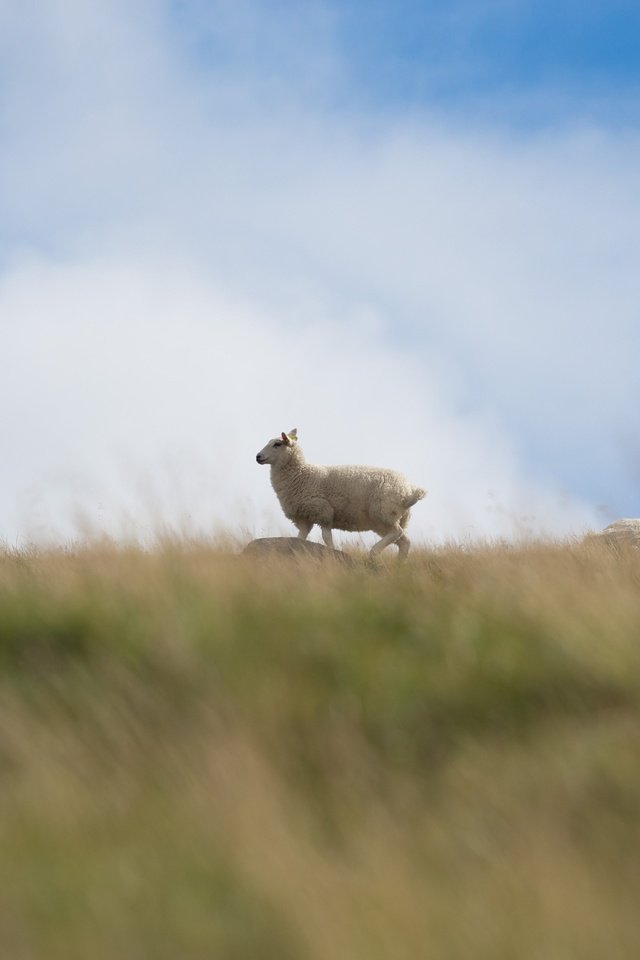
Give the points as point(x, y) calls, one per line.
point(340, 498)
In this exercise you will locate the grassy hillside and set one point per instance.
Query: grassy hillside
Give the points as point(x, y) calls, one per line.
point(202, 757)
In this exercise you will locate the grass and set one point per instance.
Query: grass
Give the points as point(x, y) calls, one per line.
point(203, 757)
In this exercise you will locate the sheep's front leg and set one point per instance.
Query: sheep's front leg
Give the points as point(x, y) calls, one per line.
point(327, 536)
point(304, 529)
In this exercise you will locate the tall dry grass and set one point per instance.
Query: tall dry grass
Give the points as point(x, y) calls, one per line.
point(203, 757)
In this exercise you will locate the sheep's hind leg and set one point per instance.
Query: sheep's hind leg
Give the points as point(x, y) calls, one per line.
point(403, 543)
point(304, 529)
point(327, 536)
point(394, 535)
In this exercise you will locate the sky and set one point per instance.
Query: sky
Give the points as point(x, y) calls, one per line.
point(408, 228)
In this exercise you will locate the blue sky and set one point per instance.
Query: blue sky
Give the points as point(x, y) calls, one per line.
point(408, 229)
point(459, 50)
point(550, 61)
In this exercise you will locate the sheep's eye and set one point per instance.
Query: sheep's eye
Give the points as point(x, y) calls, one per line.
point(278, 443)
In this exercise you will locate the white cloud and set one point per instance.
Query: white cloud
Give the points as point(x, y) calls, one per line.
point(146, 391)
point(457, 304)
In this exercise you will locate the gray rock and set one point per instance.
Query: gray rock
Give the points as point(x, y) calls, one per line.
point(620, 533)
point(295, 548)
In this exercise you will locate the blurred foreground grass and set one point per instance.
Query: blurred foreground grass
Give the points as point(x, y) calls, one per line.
point(202, 757)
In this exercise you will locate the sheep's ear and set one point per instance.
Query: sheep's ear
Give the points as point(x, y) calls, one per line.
point(293, 434)
point(285, 439)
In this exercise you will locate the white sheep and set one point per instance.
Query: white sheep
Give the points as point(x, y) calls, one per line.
point(340, 498)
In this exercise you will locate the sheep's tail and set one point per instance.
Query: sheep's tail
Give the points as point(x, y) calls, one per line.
point(418, 494)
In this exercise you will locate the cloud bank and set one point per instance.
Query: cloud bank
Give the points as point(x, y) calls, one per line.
point(198, 251)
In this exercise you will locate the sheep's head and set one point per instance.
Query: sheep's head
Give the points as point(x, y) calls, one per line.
point(279, 448)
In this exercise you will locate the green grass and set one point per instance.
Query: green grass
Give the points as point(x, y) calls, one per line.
point(205, 757)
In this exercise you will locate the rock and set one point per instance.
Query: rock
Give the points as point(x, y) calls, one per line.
point(295, 548)
point(621, 533)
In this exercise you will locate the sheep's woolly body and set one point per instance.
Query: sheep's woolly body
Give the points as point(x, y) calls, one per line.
point(345, 498)
point(353, 498)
